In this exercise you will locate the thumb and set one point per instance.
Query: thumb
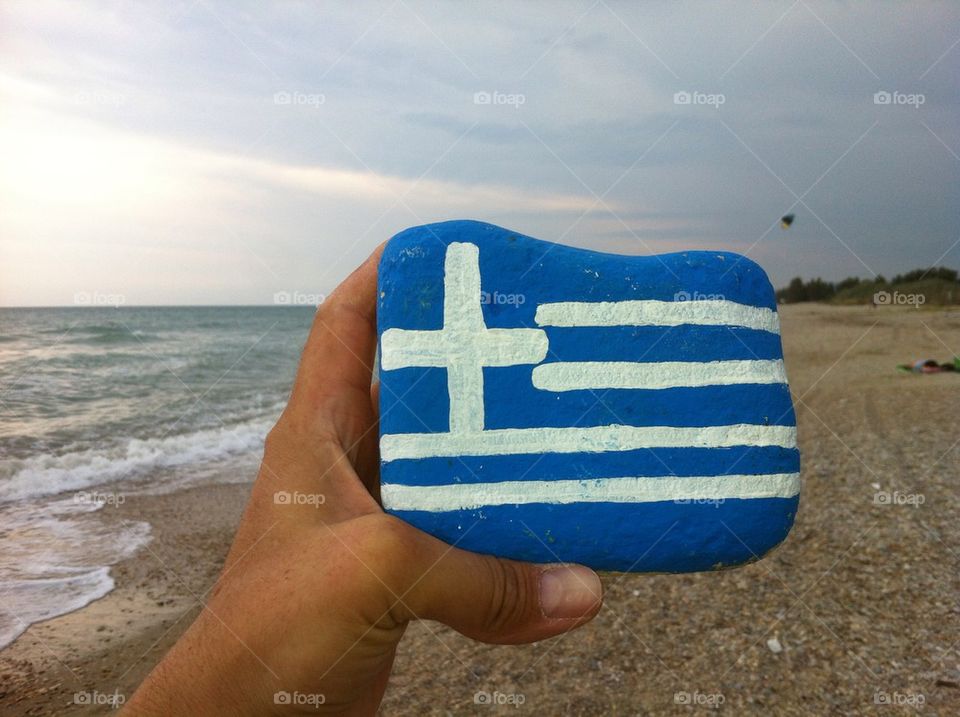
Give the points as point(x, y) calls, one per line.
point(503, 601)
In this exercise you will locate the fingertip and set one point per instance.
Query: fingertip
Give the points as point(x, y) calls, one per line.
point(358, 290)
point(371, 264)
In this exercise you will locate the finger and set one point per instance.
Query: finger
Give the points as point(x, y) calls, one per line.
point(368, 457)
point(502, 601)
point(375, 399)
point(332, 389)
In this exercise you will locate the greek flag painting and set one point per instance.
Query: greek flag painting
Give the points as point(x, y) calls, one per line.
point(553, 404)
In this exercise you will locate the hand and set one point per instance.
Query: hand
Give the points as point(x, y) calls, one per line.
point(317, 590)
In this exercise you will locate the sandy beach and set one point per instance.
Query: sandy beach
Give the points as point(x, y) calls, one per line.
point(857, 613)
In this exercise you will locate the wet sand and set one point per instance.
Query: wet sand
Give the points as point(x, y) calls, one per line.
point(857, 613)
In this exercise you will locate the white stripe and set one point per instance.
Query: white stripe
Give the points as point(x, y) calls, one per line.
point(470, 496)
point(649, 312)
point(577, 375)
point(462, 316)
point(401, 348)
point(597, 439)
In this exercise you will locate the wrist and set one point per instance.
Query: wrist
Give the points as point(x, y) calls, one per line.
point(208, 671)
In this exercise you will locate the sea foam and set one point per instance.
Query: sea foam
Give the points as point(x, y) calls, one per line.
point(45, 475)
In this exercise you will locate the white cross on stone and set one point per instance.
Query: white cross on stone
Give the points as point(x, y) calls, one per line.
point(464, 345)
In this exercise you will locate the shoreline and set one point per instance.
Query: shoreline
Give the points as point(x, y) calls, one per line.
point(109, 645)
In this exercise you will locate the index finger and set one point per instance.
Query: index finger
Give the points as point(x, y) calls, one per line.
point(334, 377)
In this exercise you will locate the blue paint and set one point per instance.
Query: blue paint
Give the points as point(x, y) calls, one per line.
point(682, 343)
point(647, 537)
point(418, 403)
point(708, 406)
point(642, 537)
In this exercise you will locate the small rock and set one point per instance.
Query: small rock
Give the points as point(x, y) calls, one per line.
point(775, 647)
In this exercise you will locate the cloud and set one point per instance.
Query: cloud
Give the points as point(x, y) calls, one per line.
point(143, 138)
point(158, 202)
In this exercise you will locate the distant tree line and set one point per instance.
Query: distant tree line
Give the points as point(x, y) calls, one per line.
point(819, 290)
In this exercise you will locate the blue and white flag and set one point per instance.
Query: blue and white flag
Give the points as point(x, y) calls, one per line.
point(547, 403)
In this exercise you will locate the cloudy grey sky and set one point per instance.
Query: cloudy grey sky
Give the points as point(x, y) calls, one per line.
point(207, 152)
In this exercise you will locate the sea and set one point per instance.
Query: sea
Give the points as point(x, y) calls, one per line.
point(98, 404)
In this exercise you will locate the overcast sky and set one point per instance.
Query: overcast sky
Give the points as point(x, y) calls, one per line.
point(216, 153)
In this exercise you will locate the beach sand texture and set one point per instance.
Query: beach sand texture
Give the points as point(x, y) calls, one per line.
point(859, 605)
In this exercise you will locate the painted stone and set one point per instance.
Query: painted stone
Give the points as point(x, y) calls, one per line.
point(547, 403)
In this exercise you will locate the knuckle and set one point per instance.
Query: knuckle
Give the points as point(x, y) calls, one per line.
point(274, 438)
point(295, 433)
point(388, 545)
point(509, 601)
point(336, 309)
point(384, 563)
point(339, 323)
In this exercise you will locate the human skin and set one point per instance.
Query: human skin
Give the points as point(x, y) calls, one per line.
point(316, 593)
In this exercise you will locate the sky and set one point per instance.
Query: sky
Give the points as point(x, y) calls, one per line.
point(202, 152)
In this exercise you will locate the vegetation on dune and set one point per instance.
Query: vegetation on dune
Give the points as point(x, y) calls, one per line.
point(934, 286)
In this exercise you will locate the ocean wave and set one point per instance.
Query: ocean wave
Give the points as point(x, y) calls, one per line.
point(33, 602)
point(118, 335)
point(55, 558)
point(43, 475)
point(103, 334)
